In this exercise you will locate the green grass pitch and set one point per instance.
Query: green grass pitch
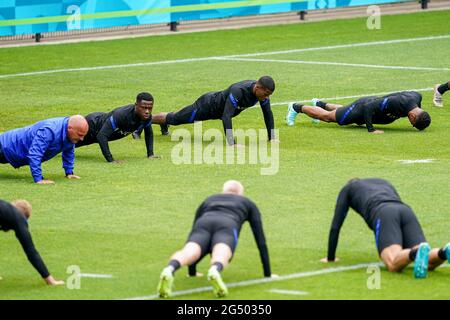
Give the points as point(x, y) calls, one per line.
point(126, 220)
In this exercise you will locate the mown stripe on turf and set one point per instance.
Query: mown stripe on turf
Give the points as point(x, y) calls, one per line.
point(267, 280)
point(338, 64)
point(162, 62)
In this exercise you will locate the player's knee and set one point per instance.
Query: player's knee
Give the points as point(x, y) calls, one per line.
point(389, 263)
point(330, 116)
point(392, 267)
point(159, 118)
point(327, 118)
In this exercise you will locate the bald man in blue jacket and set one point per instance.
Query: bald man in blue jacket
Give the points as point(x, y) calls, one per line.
point(42, 141)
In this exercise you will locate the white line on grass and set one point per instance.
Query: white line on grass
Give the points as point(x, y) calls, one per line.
point(416, 161)
point(94, 275)
point(116, 66)
point(340, 64)
point(266, 280)
point(289, 292)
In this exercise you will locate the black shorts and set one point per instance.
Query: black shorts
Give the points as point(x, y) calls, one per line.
point(212, 229)
point(348, 115)
point(2, 156)
point(344, 115)
point(396, 223)
point(198, 111)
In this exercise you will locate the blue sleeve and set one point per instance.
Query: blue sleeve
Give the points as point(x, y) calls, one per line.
point(68, 158)
point(37, 150)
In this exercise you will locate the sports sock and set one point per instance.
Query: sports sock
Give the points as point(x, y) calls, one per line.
point(441, 254)
point(174, 265)
point(321, 104)
point(218, 266)
point(412, 254)
point(297, 107)
point(443, 88)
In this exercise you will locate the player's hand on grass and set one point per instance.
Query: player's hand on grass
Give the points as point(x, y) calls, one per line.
point(155, 157)
point(53, 282)
point(377, 132)
point(325, 260)
point(73, 177)
point(45, 182)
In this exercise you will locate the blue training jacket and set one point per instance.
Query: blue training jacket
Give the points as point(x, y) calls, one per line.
point(37, 143)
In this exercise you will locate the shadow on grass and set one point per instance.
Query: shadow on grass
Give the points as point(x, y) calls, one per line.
point(16, 177)
point(385, 129)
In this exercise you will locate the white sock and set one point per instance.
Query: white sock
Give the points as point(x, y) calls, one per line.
point(170, 268)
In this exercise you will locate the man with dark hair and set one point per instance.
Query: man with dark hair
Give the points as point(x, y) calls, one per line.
point(216, 229)
point(105, 127)
point(439, 90)
point(398, 234)
point(225, 105)
point(14, 216)
point(368, 111)
point(32, 145)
